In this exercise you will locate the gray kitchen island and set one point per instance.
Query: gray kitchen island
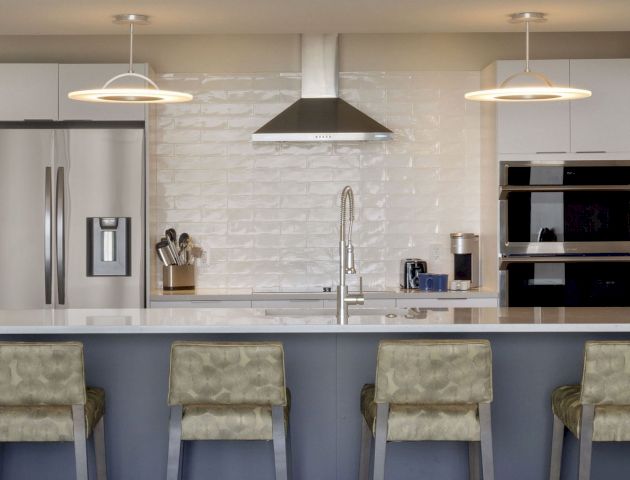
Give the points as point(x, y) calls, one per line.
point(127, 353)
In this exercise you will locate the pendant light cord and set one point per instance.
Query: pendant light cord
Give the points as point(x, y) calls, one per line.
point(131, 47)
point(526, 47)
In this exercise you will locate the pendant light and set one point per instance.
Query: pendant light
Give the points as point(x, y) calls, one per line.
point(546, 92)
point(109, 94)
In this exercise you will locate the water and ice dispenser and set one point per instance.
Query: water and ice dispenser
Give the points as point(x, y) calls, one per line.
point(108, 246)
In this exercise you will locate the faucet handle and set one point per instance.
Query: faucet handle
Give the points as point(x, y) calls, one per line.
point(361, 286)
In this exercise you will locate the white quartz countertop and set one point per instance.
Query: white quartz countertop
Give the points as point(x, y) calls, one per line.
point(247, 294)
point(239, 321)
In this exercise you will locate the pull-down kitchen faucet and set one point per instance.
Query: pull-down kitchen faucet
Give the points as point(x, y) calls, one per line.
point(346, 258)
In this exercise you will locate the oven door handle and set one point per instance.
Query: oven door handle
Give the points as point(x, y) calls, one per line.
point(505, 190)
point(505, 261)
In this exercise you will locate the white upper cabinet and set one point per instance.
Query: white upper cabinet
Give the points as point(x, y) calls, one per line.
point(90, 76)
point(29, 91)
point(536, 127)
point(601, 123)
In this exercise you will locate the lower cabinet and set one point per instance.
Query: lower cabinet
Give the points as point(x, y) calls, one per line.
point(202, 304)
point(287, 303)
point(446, 302)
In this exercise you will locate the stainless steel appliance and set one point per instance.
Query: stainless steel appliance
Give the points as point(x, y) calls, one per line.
point(53, 182)
point(565, 208)
point(410, 269)
point(320, 115)
point(565, 234)
point(465, 250)
point(565, 281)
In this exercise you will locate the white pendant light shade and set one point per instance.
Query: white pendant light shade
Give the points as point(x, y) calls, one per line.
point(109, 94)
point(545, 92)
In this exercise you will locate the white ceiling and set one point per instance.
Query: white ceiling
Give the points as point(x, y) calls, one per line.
point(42, 17)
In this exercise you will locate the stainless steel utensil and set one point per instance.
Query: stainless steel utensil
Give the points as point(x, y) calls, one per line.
point(184, 241)
point(171, 237)
point(164, 252)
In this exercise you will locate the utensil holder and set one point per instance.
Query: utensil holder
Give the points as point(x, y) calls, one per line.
point(178, 277)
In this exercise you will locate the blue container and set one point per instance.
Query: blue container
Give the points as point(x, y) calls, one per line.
point(433, 282)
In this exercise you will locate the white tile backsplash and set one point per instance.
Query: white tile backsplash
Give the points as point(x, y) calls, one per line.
point(267, 214)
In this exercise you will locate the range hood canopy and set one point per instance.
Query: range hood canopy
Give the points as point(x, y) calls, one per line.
point(320, 115)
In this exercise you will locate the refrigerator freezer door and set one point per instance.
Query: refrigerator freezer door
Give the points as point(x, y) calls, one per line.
point(104, 178)
point(26, 209)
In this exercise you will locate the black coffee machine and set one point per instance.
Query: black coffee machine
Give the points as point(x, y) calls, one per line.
point(409, 270)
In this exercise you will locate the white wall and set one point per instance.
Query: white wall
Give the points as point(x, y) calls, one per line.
point(267, 214)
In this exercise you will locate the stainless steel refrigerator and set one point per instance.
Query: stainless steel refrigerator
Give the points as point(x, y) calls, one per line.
point(71, 218)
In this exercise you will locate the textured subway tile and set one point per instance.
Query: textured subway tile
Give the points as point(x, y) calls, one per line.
point(268, 213)
point(200, 176)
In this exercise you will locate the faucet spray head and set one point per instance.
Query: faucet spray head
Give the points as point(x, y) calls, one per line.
point(350, 259)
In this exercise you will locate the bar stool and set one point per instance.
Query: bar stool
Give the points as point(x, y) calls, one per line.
point(43, 398)
point(598, 410)
point(228, 391)
point(429, 390)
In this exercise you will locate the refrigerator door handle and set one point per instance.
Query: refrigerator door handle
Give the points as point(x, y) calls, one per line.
point(48, 235)
point(61, 237)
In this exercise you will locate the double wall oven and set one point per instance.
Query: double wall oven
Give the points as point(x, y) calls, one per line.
point(565, 234)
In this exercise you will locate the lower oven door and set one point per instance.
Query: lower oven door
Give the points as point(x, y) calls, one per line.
point(560, 281)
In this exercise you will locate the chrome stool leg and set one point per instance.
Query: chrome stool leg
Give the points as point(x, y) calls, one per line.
point(557, 442)
point(487, 457)
point(80, 444)
point(366, 447)
point(174, 444)
point(380, 441)
point(279, 441)
point(99, 450)
point(586, 442)
point(474, 460)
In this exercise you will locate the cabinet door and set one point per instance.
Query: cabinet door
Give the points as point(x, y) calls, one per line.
point(89, 76)
point(534, 127)
point(29, 91)
point(600, 123)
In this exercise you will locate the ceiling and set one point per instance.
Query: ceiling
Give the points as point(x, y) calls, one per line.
point(60, 17)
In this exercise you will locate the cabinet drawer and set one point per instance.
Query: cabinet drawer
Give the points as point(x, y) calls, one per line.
point(369, 302)
point(203, 304)
point(446, 302)
point(287, 303)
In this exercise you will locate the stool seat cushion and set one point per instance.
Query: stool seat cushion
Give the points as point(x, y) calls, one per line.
point(229, 422)
point(48, 423)
point(610, 424)
point(450, 422)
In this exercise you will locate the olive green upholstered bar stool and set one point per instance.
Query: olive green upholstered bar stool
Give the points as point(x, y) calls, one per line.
point(43, 398)
point(428, 390)
point(228, 391)
point(598, 410)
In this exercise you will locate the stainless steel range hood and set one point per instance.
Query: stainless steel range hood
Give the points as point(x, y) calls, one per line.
point(320, 115)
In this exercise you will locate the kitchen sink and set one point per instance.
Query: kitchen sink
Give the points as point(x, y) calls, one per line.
point(415, 313)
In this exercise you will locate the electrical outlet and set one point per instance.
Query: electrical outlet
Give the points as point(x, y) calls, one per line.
point(435, 252)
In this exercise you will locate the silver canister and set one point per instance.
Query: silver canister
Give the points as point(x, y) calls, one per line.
point(465, 250)
point(178, 277)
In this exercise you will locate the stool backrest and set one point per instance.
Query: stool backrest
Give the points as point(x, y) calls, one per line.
point(606, 375)
point(434, 372)
point(41, 373)
point(228, 373)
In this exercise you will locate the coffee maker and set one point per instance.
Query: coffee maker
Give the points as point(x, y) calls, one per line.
point(465, 250)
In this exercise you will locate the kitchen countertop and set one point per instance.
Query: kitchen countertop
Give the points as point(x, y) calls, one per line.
point(253, 295)
point(248, 320)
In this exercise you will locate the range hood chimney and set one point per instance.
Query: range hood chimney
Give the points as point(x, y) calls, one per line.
point(320, 115)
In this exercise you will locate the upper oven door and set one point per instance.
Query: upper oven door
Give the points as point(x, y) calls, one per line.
point(569, 208)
